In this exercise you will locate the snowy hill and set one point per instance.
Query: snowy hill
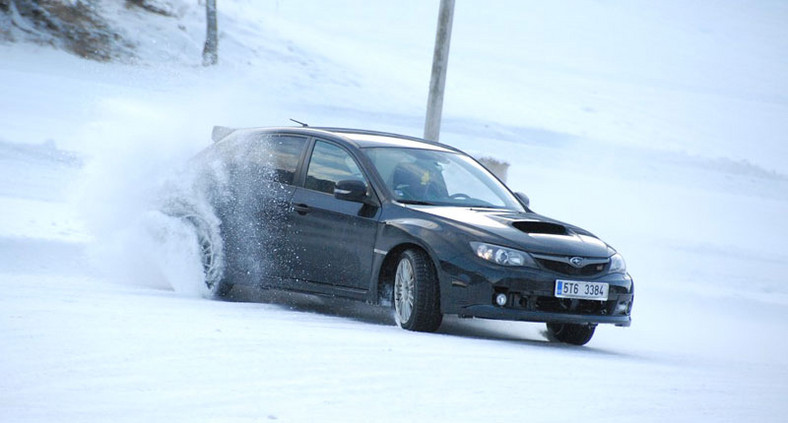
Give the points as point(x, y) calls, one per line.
point(660, 126)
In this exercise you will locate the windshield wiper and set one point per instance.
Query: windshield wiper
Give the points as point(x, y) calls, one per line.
point(483, 206)
point(417, 202)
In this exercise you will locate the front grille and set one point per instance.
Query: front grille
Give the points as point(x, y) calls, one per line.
point(568, 269)
point(564, 305)
point(559, 305)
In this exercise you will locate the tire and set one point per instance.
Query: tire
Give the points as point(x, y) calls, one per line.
point(570, 333)
point(212, 258)
point(416, 293)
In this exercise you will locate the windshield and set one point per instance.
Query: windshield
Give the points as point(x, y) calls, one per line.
point(445, 178)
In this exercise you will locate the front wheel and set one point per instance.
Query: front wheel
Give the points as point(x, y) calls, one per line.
point(416, 293)
point(570, 333)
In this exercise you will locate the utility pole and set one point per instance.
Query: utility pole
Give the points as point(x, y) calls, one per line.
point(440, 62)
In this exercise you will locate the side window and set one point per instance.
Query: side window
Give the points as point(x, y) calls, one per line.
point(329, 165)
point(277, 156)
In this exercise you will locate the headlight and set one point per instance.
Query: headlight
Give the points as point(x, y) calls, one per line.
point(617, 264)
point(502, 255)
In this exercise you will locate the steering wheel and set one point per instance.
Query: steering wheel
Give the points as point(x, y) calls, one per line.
point(460, 196)
point(403, 192)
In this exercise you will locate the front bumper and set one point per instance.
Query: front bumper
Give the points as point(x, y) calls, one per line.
point(469, 288)
point(503, 313)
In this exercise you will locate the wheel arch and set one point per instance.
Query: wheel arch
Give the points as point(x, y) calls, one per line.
point(385, 280)
point(399, 236)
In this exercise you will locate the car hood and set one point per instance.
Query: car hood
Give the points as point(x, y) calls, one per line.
point(526, 231)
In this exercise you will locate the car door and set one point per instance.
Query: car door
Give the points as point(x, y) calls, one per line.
point(333, 239)
point(255, 213)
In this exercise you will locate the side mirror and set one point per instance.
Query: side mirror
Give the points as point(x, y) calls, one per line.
point(523, 199)
point(351, 190)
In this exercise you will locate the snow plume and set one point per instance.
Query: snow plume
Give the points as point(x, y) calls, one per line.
point(154, 204)
point(137, 149)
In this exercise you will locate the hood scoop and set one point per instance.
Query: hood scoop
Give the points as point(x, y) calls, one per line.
point(537, 227)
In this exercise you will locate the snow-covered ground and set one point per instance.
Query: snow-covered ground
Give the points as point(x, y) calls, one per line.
point(660, 126)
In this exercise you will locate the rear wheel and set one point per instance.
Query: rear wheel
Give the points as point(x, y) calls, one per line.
point(571, 333)
point(416, 293)
point(212, 259)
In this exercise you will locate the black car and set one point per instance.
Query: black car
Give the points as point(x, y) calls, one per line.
point(393, 220)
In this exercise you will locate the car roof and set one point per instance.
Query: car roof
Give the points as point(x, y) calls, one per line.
point(364, 138)
point(360, 138)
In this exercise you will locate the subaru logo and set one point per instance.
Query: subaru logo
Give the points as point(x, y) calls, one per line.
point(576, 261)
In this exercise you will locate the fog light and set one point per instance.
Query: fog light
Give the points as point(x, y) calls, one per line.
point(501, 299)
point(622, 307)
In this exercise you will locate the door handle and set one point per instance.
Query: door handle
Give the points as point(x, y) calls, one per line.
point(301, 208)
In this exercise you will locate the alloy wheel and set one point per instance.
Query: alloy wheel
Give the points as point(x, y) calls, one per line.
point(404, 287)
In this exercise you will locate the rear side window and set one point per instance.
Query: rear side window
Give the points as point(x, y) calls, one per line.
point(329, 165)
point(282, 153)
point(257, 158)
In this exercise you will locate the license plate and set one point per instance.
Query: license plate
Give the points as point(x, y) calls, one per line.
point(579, 289)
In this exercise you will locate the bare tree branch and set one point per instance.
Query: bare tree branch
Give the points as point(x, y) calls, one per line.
point(210, 53)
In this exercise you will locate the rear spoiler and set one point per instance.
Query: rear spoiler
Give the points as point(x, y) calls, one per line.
point(221, 132)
